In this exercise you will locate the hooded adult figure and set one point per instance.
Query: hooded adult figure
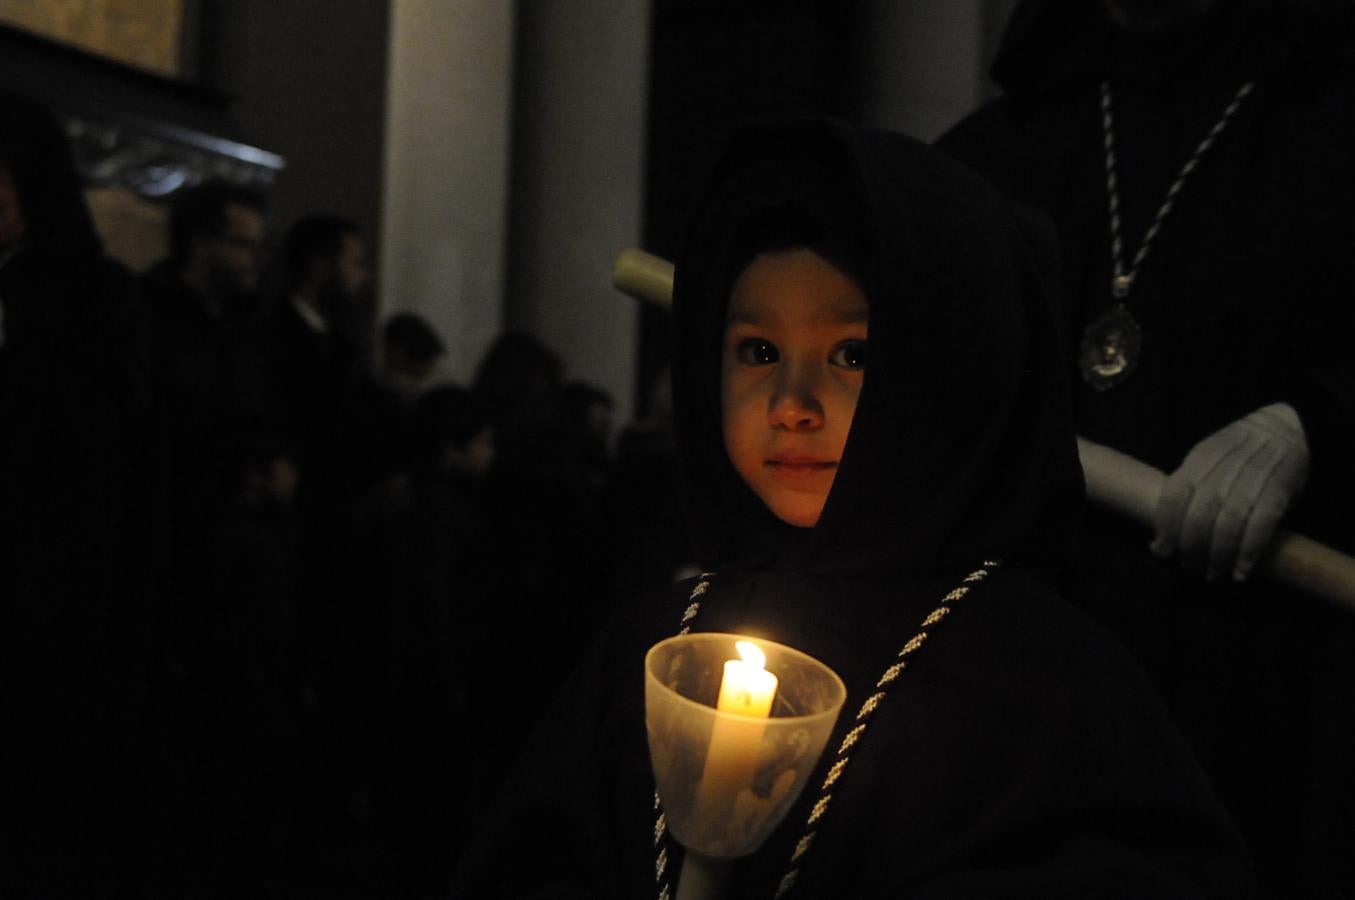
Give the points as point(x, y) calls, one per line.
point(1018, 753)
point(1239, 291)
point(73, 403)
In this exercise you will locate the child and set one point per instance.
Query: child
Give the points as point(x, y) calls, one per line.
point(869, 407)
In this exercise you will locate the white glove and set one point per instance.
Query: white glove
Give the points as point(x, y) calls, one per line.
point(1221, 508)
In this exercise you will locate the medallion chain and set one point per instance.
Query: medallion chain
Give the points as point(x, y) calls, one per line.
point(1112, 344)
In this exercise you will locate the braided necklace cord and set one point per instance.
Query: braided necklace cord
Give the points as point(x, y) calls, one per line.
point(849, 743)
point(662, 882)
point(1122, 281)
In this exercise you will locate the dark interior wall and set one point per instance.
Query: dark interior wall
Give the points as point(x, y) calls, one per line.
point(307, 79)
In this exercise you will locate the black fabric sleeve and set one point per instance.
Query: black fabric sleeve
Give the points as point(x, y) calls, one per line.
point(575, 817)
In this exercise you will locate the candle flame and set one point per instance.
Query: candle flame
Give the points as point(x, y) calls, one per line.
point(752, 654)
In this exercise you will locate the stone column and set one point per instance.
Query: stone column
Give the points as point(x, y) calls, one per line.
point(448, 130)
point(578, 148)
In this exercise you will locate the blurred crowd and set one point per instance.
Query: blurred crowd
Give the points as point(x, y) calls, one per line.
point(278, 617)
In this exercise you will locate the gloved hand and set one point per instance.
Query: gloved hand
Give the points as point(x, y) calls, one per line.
point(1221, 508)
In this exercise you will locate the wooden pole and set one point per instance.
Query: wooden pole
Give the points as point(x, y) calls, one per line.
point(1116, 481)
point(644, 276)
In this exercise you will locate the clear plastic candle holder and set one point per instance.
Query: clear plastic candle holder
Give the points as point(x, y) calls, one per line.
point(726, 779)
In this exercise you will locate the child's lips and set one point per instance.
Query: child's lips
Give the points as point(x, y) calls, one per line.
point(799, 466)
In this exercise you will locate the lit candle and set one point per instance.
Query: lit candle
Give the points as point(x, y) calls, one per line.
point(747, 687)
point(746, 690)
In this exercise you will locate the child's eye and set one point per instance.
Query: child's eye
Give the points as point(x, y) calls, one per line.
point(756, 352)
point(849, 355)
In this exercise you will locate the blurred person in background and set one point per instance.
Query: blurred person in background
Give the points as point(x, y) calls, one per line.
point(380, 437)
point(75, 412)
point(411, 350)
point(201, 299)
point(588, 413)
point(308, 349)
point(307, 375)
point(226, 555)
point(545, 515)
point(217, 232)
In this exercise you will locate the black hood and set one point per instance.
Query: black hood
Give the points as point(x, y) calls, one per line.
point(962, 445)
point(39, 156)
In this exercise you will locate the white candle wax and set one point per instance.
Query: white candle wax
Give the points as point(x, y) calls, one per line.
point(746, 691)
point(747, 687)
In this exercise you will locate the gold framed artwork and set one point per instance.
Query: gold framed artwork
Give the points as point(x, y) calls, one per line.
point(146, 34)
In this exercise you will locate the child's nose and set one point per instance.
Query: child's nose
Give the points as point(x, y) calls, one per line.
point(795, 404)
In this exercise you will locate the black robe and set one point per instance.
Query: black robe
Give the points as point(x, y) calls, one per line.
point(1244, 299)
point(1021, 754)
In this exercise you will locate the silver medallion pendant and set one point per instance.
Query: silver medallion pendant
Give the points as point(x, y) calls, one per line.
point(1111, 347)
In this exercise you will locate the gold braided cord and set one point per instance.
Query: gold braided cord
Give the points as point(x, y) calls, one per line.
point(863, 719)
point(1122, 281)
point(835, 772)
point(803, 847)
point(850, 740)
point(869, 706)
point(660, 820)
point(937, 615)
point(820, 808)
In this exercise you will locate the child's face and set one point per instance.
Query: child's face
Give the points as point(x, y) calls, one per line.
point(792, 364)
